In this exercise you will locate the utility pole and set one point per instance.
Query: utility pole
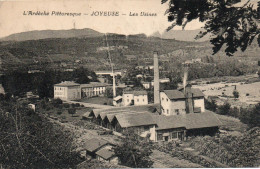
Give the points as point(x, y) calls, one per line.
point(112, 68)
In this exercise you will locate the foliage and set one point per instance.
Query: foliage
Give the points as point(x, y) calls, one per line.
point(134, 152)
point(230, 23)
point(72, 111)
point(224, 109)
point(19, 82)
point(236, 94)
point(29, 140)
point(235, 151)
point(57, 102)
point(251, 117)
point(211, 105)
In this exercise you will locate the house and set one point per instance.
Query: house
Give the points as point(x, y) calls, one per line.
point(107, 155)
point(135, 98)
point(146, 85)
point(117, 101)
point(67, 90)
point(174, 102)
point(164, 80)
point(107, 72)
point(131, 57)
point(93, 145)
point(180, 127)
point(93, 89)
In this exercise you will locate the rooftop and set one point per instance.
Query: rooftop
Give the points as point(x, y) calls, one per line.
point(67, 83)
point(94, 84)
point(189, 121)
point(135, 119)
point(105, 153)
point(94, 144)
point(178, 94)
point(136, 93)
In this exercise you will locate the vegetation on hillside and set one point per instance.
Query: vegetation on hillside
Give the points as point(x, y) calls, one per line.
point(29, 140)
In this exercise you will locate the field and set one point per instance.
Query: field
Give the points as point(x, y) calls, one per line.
point(248, 93)
point(98, 100)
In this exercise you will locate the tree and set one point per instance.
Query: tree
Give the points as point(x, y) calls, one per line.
point(134, 152)
point(251, 117)
point(230, 22)
point(211, 105)
point(236, 94)
point(72, 111)
point(224, 109)
point(29, 140)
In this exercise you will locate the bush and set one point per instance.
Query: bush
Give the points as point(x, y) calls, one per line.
point(236, 94)
point(224, 109)
point(77, 105)
point(59, 112)
point(211, 105)
point(66, 105)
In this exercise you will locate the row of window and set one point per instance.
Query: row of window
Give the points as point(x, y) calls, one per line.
point(173, 135)
point(59, 88)
point(177, 111)
point(137, 100)
point(166, 99)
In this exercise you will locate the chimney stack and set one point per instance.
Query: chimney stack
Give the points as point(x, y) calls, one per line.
point(185, 77)
point(156, 78)
point(189, 99)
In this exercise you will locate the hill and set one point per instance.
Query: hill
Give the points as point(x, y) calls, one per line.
point(181, 35)
point(46, 34)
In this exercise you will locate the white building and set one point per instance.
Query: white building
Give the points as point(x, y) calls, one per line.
point(67, 90)
point(135, 98)
point(174, 102)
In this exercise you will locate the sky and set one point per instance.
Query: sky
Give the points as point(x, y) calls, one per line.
point(13, 20)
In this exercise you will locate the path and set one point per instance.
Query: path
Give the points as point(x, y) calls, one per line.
point(96, 106)
point(164, 160)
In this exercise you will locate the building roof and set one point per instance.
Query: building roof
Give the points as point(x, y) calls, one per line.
point(136, 93)
point(135, 119)
point(168, 122)
point(178, 94)
point(189, 121)
point(202, 120)
point(105, 153)
point(67, 84)
point(94, 84)
point(94, 144)
point(174, 94)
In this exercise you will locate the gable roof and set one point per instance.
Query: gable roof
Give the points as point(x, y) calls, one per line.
point(135, 119)
point(94, 144)
point(178, 94)
point(174, 94)
point(168, 122)
point(189, 121)
point(105, 153)
point(136, 93)
point(202, 120)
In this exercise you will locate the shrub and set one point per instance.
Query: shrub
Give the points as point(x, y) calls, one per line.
point(77, 105)
point(66, 105)
point(59, 112)
point(224, 109)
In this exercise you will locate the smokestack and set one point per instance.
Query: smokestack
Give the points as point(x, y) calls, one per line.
point(189, 99)
point(185, 77)
point(156, 79)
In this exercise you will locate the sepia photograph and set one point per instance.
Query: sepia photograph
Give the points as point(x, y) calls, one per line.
point(129, 84)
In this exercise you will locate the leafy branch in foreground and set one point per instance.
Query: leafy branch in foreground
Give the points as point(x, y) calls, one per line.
point(230, 22)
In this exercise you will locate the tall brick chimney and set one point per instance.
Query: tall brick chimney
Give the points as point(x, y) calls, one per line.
point(156, 78)
point(189, 100)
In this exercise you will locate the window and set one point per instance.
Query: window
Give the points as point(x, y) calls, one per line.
point(127, 100)
point(143, 100)
point(167, 100)
point(174, 135)
point(137, 100)
point(167, 111)
point(162, 98)
point(159, 136)
point(176, 110)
